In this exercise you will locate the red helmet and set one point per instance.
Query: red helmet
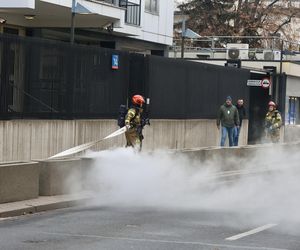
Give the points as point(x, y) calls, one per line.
point(138, 99)
point(272, 104)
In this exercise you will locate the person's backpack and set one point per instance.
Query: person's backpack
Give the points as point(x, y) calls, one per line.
point(122, 114)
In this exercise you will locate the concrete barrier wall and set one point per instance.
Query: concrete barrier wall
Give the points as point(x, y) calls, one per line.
point(60, 177)
point(291, 133)
point(236, 158)
point(27, 180)
point(19, 181)
point(38, 139)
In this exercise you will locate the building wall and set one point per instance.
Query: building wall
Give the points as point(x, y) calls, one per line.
point(159, 27)
point(293, 86)
point(154, 28)
point(18, 4)
point(292, 106)
point(292, 133)
point(249, 64)
point(39, 139)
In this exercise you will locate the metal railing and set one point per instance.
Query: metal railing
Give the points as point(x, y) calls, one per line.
point(113, 2)
point(259, 48)
point(133, 12)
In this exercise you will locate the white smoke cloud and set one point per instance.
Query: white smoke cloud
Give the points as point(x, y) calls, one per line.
point(263, 189)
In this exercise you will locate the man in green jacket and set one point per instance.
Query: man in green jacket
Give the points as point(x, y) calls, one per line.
point(228, 117)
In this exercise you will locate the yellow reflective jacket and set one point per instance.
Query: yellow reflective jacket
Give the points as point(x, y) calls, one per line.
point(273, 119)
point(133, 118)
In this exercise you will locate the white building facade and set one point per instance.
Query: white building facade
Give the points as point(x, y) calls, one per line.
point(144, 26)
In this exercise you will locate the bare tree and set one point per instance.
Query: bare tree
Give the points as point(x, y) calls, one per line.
point(242, 17)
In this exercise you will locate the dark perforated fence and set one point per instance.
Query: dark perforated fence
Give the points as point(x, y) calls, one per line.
point(47, 79)
point(51, 79)
point(191, 90)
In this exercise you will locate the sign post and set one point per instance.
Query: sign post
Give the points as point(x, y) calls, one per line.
point(265, 83)
point(115, 61)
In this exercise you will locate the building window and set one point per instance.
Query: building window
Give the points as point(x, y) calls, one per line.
point(294, 114)
point(151, 6)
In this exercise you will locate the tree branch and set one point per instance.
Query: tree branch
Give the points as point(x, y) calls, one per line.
point(283, 24)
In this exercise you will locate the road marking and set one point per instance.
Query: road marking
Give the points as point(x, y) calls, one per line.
point(254, 231)
point(163, 241)
point(6, 218)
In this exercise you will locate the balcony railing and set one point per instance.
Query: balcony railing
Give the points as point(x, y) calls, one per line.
point(133, 12)
point(114, 2)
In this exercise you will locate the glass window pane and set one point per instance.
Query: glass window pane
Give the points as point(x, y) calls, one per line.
point(293, 110)
point(148, 5)
point(151, 5)
point(154, 5)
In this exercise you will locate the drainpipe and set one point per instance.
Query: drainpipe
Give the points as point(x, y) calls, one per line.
point(73, 22)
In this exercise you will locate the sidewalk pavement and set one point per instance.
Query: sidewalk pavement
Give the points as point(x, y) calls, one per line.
point(42, 203)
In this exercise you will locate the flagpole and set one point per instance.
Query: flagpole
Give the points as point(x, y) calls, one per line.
point(73, 22)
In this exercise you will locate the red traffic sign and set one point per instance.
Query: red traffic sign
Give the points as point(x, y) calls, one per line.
point(265, 83)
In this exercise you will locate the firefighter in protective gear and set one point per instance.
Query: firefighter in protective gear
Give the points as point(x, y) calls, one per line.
point(133, 123)
point(273, 123)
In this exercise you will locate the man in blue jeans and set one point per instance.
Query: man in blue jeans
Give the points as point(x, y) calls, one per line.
point(242, 114)
point(228, 117)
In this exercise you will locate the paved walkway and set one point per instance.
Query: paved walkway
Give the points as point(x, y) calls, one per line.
point(43, 203)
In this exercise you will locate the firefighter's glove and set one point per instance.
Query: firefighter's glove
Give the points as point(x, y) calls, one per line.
point(128, 127)
point(271, 128)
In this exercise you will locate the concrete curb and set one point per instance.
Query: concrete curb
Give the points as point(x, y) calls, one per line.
point(43, 203)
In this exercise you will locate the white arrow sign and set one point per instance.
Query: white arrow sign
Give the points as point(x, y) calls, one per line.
point(254, 83)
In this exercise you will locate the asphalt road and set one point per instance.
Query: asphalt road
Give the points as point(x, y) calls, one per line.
point(98, 227)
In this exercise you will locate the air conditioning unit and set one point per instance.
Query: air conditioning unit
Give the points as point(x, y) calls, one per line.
point(272, 55)
point(237, 51)
point(252, 55)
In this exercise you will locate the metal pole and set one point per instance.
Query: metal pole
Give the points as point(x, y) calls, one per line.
point(279, 81)
point(281, 56)
point(140, 12)
point(213, 47)
point(182, 35)
point(126, 12)
point(182, 47)
point(73, 22)
point(175, 49)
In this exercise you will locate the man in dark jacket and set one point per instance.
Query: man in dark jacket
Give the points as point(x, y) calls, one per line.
point(228, 117)
point(242, 114)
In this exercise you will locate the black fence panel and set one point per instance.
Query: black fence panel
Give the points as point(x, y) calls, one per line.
point(50, 79)
point(181, 89)
point(106, 88)
point(137, 76)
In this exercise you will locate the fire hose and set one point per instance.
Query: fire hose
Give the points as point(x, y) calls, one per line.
point(87, 145)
